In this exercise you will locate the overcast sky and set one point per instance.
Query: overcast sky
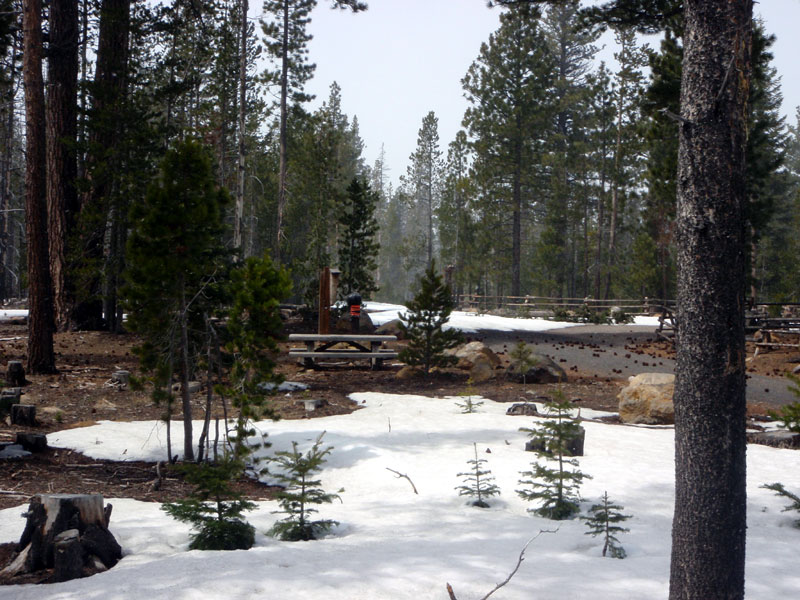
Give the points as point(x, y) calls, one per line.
point(403, 58)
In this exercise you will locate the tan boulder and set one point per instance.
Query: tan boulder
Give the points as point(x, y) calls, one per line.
point(482, 370)
point(470, 354)
point(647, 399)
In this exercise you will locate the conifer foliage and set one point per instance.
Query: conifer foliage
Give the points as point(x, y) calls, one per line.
point(358, 248)
point(604, 520)
point(214, 508)
point(478, 481)
point(423, 324)
point(780, 490)
point(554, 482)
point(301, 493)
point(175, 253)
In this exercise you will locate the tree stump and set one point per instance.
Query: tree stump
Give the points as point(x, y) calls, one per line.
point(32, 442)
point(23, 414)
point(15, 374)
point(65, 532)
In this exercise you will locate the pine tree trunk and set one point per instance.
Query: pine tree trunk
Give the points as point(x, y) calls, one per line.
point(239, 217)
point(6, 237)
point(41, 358)
point(708, 535)
point(282, 135)
point(186, 401)
point(62, 166)
point(111, 75)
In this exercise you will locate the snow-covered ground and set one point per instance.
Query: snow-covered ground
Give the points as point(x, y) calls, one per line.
point(468, 322)
point(394, 545)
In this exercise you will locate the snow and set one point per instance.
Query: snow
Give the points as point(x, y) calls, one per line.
point(395, 545)
point(467, 322)
point(6, 315)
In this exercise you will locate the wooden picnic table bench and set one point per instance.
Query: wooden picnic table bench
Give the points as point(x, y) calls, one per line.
point(319, 345)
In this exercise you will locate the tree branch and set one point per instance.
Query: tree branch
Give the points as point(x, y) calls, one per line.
point(452, 594)
point(404, 476)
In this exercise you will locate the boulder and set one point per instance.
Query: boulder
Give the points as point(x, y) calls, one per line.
point(482, 370)
point(391, 328)
point(365, 325)
point(524, 409)
point(647, 399)
point(470, 354)
point(574, 446)
point(777, 439)
point(544, 370)
point(409, 372)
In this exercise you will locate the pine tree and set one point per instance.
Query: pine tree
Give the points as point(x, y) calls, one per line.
point(603, 521)
point(522, 359)
point(253, 328)
point(358, 249)
point(780, 490)
point(423, 324)
point(509, 90)
point(469, 405)
point(214, 508)
point(478, 481)
point(424, 176)
point(301, 492)
point(556, 487)
point(174, 255)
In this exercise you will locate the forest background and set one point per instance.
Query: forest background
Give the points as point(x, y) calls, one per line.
point(561, 182)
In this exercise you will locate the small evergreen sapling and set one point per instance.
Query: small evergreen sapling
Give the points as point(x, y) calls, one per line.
point(603, 520)
point(522, 359)
point(477, 481)
point(301, 492)
point(556, 487)
point(469, 405)
point(789, 415)
point(214, 508)
point(782, 491)
point(427, 314)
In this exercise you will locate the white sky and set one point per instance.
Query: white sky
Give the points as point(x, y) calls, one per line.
point(403, 58)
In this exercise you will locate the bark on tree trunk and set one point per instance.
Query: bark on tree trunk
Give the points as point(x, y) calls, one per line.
point(40, 301)
point(62, 166)
point(108, 91)
point(239, 217)
point(282, 141)
point(708, 536)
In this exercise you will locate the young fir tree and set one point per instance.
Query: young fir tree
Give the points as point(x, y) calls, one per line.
point(779, 489)
point(301, 492)
point(556, 487)
point(423, 324)
point(174, 257)
point(215, 508)
point(253, 329)
point(469, 405)
point(478, 481)
point(522, 359)
point(358, 248)
point(603, 521)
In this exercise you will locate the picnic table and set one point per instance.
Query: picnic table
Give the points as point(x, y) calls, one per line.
point(321, 346)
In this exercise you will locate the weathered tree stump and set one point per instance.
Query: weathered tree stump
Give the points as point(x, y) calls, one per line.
point(23, 414)
point(574, 447)
point(65, 532)
point(15, 374)
point(32, 442)
point(8, 398)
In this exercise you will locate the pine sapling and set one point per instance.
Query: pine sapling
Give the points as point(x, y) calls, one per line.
point(782, 491)
point(214, 507)
point(603, 520)
point(556, 487)
point(522, 359)
point(478, 481)
point(301, 492)
point(469, 405)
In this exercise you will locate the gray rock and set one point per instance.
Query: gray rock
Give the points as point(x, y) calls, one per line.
point(523, 409)
point(776, 439)
point(543, 371)
point(286, 386)
point(391, 328)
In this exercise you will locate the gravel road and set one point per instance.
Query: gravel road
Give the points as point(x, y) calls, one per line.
point(601, 349)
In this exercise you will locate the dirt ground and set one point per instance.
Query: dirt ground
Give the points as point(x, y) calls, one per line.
point(82, 394)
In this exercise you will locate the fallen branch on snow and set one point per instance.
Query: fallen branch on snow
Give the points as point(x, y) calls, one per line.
point(404, 476)
point(452, 594)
